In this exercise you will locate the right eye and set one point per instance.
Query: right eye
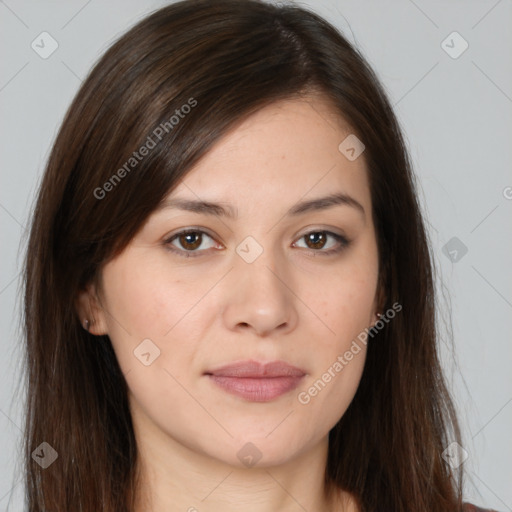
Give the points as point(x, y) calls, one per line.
point(190, 240)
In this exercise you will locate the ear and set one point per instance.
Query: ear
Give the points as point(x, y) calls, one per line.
point(88, 307)
point(379, 303)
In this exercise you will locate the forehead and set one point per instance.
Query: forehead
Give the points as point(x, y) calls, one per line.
point(285, 152)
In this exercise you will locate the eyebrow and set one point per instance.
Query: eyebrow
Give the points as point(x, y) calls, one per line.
point(226, 210)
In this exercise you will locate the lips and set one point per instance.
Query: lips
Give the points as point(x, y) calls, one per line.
point(256, 381)
point(253, 369)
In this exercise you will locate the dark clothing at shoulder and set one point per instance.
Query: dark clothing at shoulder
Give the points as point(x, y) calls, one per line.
point(469, 507)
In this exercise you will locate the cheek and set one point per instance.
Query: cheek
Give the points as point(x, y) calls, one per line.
point(329, 391)
point(346, 306)
point(154, 311)
point(340, 353)
point(343, 293)
point(147, 299)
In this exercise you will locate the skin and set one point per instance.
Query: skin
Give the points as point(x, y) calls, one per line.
point(290, 304)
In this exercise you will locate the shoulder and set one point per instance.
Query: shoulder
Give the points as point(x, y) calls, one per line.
point(468, 507)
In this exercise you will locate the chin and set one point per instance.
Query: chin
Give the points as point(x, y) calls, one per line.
point(264, 450)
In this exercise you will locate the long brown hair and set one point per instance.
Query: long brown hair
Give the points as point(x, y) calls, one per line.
point(224, 60)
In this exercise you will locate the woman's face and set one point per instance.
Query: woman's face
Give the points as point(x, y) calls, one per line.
point(263, 283)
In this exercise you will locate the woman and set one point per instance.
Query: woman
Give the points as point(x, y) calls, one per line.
point(229, 289)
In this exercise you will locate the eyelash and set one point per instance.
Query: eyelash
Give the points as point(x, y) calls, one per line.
point(344, 243)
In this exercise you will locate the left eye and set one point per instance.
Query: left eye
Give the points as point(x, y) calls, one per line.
point(318, 238)
point(191, 240)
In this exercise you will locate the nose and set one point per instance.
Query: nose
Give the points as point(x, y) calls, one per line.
point(260, 297)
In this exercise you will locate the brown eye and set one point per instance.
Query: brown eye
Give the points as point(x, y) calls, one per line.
point(315, 240)
point(191, 240)
point(318, 240)
point(188, 242)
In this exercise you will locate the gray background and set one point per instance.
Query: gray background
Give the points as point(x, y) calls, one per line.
point(457, 117)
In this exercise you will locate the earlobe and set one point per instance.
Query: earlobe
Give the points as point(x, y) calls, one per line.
point(90, 313)
point(379, 304)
